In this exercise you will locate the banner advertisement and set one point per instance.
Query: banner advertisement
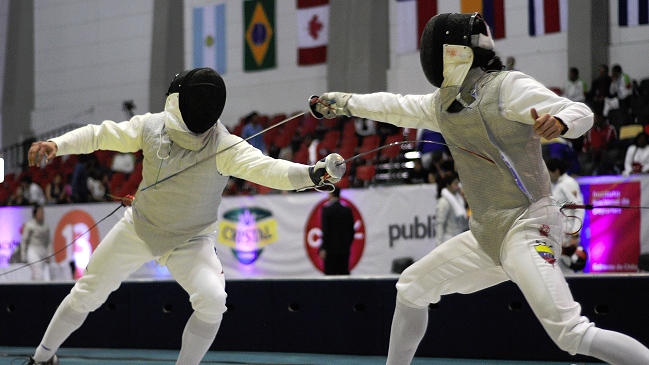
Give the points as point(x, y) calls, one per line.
point(278, 235)
point(258, 236)
point(614, 237)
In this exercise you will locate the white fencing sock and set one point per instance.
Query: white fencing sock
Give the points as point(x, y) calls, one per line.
point(408, 328)
point(65, 321)
point(614, 348)
point(197, 339)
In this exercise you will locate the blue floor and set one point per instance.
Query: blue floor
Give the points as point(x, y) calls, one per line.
point(17, 355)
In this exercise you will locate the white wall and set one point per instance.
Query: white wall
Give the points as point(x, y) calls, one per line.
point(284, 89)
point(92, 55)
point(544, 58)
point(4, 15)
point(629, 47)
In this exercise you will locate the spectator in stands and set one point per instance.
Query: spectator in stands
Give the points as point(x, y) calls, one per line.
point(363, 127)
point(17, 198)
point(98, 186)
point(418, 174)
point(562, 149)
point(597, 142)
point(35, 243)
point(565, 189)
point(252, 127)
point(79, 180)
point(636, 160)
point(599, 90)
point(123, 162)
point(451, 217)
point(427, 150)
point(620, 92)
point(33, 192)
point(575, 88)
point(337, 224)
point(57, 191)
point(440, 163)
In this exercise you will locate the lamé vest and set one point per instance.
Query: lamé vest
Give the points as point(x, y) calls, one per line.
point(187, 204)
point(498, 193)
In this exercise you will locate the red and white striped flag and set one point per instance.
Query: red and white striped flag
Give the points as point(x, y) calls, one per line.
point(312, 31)
point(547, 16)
point(412, 16)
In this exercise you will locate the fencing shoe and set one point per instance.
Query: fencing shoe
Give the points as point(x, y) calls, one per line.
point(52, 361)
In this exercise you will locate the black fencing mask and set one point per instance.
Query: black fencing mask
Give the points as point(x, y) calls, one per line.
point(201, 97)
point(455, 29)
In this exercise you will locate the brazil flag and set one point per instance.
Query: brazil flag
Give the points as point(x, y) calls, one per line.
point(259, 35)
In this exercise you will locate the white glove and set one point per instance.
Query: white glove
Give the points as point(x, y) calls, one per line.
point(319, 174)
point(329, 105)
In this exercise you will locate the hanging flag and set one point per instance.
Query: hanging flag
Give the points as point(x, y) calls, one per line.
point(633, 12)
point(259, 35)
point(547, 16)
point(312, 31)
point(412, 16)
point(209, 37)
point(492, 11)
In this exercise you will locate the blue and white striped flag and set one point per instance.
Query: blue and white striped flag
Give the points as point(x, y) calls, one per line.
point(209, 37)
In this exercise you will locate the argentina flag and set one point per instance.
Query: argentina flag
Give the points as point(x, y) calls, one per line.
point(209, 37)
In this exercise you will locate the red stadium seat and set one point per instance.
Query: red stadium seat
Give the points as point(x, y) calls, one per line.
point(392, 151)
point(365, 174)
point(369, 143)
point(302, 155)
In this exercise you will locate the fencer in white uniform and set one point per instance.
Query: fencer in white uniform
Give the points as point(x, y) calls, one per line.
point(515, 227)
point(565, 189)
point(174, 221)
point(36, 243)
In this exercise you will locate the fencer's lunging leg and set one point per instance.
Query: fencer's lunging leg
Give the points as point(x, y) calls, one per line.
point(613, 347)
point(197, 339)
point(65, 321)
point(198, 270)
point(408, 328)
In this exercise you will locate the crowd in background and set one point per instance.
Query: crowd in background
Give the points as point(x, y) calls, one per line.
point(616, 145)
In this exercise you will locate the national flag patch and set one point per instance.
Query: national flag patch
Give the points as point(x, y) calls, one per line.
point(545, 252)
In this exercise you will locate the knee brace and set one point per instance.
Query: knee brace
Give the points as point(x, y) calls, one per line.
point(210, 306)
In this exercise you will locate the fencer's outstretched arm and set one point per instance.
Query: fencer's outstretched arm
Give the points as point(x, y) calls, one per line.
point(247, 162)
point(408, 111)
point(109, 135)
point(553, 116)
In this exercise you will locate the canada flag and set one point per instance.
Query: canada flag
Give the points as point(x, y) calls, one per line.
point(312, 31)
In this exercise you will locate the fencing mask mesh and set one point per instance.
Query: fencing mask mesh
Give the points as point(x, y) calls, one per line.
point(201, 97)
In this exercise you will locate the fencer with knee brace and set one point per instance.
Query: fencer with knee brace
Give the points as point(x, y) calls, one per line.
point(174, 221)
